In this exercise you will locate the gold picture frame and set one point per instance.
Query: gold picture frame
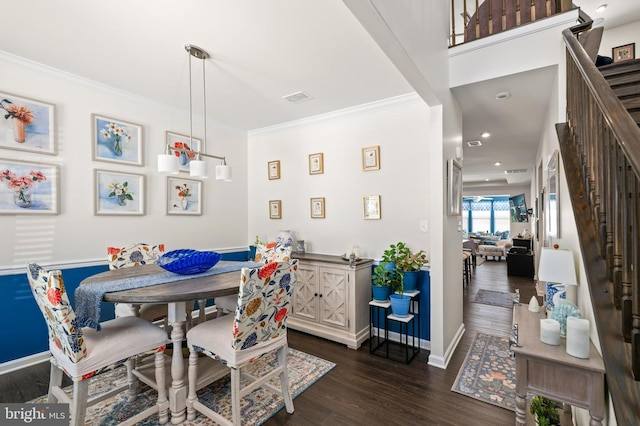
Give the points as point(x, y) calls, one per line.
point(371, 207)
point(273, 169)
point(275, 209)
point(317, 208)
point(624, 53)
point(316, 164)
point(371, 158)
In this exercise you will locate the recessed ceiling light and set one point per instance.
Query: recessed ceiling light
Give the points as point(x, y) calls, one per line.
point(503, 95)
point(485, 134)
point(497, 163)
point(601, 8)
point(486, 180)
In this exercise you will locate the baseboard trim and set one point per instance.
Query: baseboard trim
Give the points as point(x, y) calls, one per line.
point(24, 362)
point(442, 362)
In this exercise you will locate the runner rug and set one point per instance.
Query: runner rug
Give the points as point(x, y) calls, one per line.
point(257, 407)
point(488, 372)
point(493, 297)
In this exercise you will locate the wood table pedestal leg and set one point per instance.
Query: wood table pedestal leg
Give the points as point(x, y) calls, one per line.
point(178, 389)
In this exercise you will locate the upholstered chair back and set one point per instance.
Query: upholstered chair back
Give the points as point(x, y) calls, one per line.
point(134, 255)
point(51, 297)
point(272, 252)
point(264, 303)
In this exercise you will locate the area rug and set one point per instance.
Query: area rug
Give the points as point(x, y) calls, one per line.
point(493, 297)
point(488, 372)
point(257, 407)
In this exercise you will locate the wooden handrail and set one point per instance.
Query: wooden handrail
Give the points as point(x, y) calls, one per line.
point(600, 148)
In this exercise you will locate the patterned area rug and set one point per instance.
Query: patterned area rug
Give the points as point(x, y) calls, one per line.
point(257, 407)
point(488, 372)
point(495, 298)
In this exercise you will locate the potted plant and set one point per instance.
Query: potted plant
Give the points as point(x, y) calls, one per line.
point(406, 262)
point(545, 411)
point(382, 282)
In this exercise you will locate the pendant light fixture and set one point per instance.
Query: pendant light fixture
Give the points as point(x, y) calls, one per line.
point(168, 163)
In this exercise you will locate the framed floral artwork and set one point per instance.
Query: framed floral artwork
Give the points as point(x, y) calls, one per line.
point(190, 145)
point(371, 158)
point(118, 193)
point(27, 125)
point(273, 168)
point(184, 196)
point(317, 208)
point(316, 164)
point(275, 209)
point(116, 141)
point(28, 188)
point(371, 207)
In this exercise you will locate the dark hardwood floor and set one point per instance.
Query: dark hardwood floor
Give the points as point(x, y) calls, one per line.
point(369, 390)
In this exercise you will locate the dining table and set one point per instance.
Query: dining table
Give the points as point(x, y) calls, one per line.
point(176, 292)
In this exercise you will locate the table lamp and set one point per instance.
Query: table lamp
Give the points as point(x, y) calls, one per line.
point(558, 270)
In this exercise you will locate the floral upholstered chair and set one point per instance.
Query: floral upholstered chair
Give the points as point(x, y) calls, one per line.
point(84, 353)
point(258, 327)
point(137, 255)
point(265, 253)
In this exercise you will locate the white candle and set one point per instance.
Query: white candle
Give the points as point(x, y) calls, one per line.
point(578, 337)
point(550, 331)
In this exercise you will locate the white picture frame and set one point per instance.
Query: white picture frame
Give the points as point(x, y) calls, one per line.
point(118, 193)
point(184, 196)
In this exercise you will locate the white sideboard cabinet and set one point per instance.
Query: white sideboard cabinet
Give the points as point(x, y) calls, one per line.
point(331, 298)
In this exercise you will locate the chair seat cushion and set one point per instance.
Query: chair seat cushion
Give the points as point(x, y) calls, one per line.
point(214, 338)
point(117, 340)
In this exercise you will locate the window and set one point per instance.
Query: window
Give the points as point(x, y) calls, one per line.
point(486, 214)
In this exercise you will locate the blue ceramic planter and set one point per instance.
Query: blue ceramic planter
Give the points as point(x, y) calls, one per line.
point(410, 280)
point(380, 294)
point(400, 305)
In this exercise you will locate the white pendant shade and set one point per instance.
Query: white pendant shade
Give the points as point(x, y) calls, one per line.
point(198, 168)
point(223, 172)
point(167, 163)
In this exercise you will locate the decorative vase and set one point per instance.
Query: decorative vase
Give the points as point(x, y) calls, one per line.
point(380, 294)
point(122, 200)
point(22, 197)
point(410, 280)
point(184, 203)
point(18, 130)
point(117, 147)
point(400, 304)
point(284, 238)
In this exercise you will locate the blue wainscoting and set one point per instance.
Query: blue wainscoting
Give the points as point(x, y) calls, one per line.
point(25, 329)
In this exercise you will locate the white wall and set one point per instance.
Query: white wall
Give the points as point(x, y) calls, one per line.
point(399, 126)
point(620, 36)
point(76, 234)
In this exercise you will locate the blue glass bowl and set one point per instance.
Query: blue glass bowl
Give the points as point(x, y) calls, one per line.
point(188, 262)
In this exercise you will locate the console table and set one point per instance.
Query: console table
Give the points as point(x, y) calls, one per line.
point(549, 371)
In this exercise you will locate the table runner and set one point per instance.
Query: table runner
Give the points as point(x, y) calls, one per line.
point(88, 298)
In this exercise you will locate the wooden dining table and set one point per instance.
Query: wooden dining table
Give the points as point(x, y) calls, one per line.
point(176, 295)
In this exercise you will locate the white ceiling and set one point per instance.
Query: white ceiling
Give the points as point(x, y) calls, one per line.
point(262, 51)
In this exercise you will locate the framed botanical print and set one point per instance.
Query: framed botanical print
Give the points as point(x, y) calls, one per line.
point(316, 164)
point(624, 53)
point(184, 196)
point(317, 208)
point(454, 188)
point(118, 193)
point(371, 158)
point(275, 209)
point(28, 187)
point(189, 146)
point(116, 141)
point(371, 207)
point(273, 169)
point(27, 125)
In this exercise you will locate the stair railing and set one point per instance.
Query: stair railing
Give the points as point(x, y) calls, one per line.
point(600, 147)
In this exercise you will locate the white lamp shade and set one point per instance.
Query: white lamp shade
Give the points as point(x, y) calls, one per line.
point(556, 266)
point(198, 168)
point(167, 163)
point(223, 172)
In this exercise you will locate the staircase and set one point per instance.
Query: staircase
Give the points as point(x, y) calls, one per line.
point(624, 79)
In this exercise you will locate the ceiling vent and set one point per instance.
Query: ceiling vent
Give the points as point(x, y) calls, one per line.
point(297, 97)
point(514, 171)
point(474, 143)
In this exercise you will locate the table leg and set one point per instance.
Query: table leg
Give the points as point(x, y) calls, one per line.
point(521, 392)
point(178, 390)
